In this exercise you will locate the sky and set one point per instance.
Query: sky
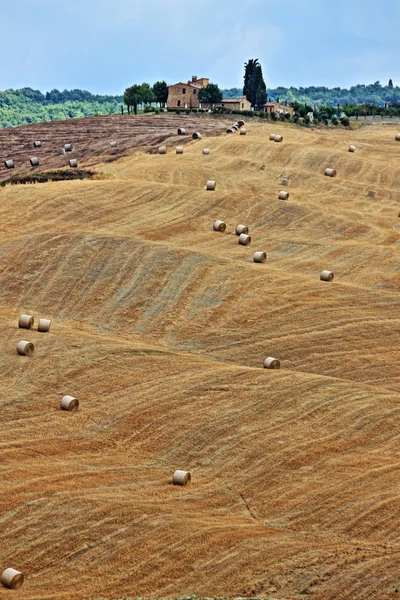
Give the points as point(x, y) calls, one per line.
point(105, 46)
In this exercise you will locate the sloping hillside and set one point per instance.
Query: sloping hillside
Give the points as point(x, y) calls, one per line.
point(160, 327)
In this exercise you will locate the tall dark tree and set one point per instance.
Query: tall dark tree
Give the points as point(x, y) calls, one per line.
point(160, 92)
point(261, 95)
point(249, 69)
point(390, 84)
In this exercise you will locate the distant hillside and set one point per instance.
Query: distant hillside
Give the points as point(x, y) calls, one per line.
point(25, 106)
point(358, 94)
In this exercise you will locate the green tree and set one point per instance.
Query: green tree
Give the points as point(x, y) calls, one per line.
point(160, 92)
point(132, 97)
point(146, 93)
point(261, 95)
point(249, 69)
point(390, 84)
point(254, 85)
point(211, 93)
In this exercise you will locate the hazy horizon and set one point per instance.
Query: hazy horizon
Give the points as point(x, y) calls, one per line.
point(104, 46)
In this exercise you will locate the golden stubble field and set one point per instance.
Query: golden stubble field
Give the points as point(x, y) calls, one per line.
point(160, 327)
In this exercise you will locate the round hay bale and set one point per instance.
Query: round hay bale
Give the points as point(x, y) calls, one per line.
point(34, 161)
point(68, 147)
point(230, 130)
point(278, 138)
point(243, 131)
point(244, 239)
point(330, 172)
point(211, 184)
point(179, 149)
point(25, 348)
point(12, 579)
point(181, 131)
point(60, 151)
point(241, 123)
point(206, 151)
point(272, 363)
point(44, 325)
point(9, 163)
point(371, 194)
point(162, 150)
point(69, 403)
point(326, 276)
point(196, 135)
point(283, 195)
point(398, 137)
point(241, 229)
point(272, 137)
point(181, 477)
point(219, 226)
point(113, 144)
point(73, 163)
point(25, 321)
point(37, 144)
point(285, 182)
point(235, 128)
point(260, 257)
point(352, 148)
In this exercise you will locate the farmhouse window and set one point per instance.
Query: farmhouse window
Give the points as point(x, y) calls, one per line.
point(194, 91)
point(183, 90)
point(179, 103)
point(242, 104)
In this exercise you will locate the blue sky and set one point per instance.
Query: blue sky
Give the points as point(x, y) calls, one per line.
point(106, 45)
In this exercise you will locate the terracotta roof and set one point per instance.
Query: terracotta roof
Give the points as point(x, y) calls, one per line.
point(187, 84)
point(232, 99)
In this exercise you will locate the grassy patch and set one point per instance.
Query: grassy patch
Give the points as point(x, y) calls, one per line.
point(61, 175)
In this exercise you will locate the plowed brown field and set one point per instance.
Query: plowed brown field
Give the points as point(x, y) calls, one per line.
point(160, 327)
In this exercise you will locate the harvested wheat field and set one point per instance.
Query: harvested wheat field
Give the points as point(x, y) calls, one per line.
point(160, 326)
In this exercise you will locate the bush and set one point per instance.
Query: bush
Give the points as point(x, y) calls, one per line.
point(281, 117)
point(149, 109)
point(345, 121)
point(335, 121)
point(287, 116)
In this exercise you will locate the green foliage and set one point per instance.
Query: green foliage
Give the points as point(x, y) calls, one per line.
point(211, 93)
point(25, 106)
point(345, 121)
point(160, 92)
point(254, 85)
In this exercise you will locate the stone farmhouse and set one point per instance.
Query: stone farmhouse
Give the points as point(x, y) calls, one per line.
point(185, 95)
point(278, 108)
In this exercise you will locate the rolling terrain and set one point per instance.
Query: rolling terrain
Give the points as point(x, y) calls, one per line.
point(160, 326)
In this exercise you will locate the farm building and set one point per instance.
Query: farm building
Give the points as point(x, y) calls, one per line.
point(278, 108)
point(185, 95)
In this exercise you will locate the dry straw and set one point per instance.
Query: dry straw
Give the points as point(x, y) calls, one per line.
point(113, 144)
point(241, 229)
point(285, 182)
point(44, 325)
point(398, 137)
point(243, 131)
point(272, 137)
point(69, 403)
point(206, 150)
point(9, 163)
point(196, 135)
point(34, 161)
point(162, 150)
point(37, 144)
point(352, 148)
point(278, 138)
point(73, 163)
point(230, 130)
point(61, 151)
point(272, 363)
point(326, 276)
point(25, 321)
point(283, 195)
point(241, 123)
point(219, 226)
point(68, 147)
point(260, 257)
point(179, 149)
point(12, 579)
point(181, 131)
point(330, 172)
point(211, 184)
point(25, 348)
point(244, 239)
point(371, 194)
point(181, 477)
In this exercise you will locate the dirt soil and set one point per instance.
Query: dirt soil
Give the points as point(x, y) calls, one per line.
point(160, 327)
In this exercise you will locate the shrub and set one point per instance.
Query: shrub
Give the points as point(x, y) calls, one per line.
point(149, 109)
point(287, 116)
point(345, 121)
point(335, 121)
